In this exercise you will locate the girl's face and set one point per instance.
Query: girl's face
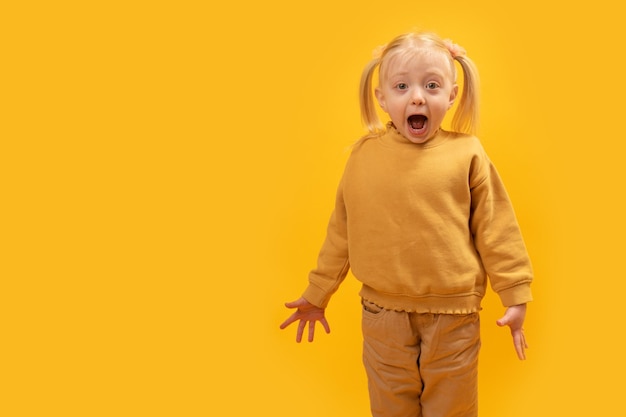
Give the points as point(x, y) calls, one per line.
point(416, 91)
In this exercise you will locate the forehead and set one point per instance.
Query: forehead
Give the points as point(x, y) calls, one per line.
point(417, 59)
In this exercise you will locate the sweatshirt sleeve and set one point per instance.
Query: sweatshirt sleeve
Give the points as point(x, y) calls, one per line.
point(497, 235)
point(333, 261)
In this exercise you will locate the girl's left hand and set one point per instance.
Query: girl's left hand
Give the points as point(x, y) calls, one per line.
point(514, 318)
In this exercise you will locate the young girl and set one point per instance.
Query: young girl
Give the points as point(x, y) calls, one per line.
point(422, 219)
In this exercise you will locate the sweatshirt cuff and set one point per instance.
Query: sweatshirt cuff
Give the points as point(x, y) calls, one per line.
point(519, 294)
point(316, 296)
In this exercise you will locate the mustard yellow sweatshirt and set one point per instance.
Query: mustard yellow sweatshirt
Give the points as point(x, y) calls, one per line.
point(422, 226)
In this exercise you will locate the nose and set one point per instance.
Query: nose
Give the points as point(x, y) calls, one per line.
point(417, 97)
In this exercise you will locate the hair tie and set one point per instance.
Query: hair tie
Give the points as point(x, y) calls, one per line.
point(377, 53)
point(454, 49)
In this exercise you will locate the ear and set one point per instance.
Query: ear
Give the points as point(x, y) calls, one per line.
point(453, 93)
point(380, 98)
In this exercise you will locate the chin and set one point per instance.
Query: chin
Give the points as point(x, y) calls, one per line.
point(418, 140)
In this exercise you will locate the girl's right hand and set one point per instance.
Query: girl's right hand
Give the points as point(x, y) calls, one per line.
point(305, 313)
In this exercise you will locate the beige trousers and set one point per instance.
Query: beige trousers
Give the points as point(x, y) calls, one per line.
point(421, 365)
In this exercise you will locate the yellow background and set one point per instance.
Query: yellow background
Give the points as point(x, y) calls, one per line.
point(168, 169)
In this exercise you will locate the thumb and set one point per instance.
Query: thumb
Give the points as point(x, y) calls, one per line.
point(295, 304)
point(503, 321)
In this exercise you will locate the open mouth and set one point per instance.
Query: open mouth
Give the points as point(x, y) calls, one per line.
point(417, 123)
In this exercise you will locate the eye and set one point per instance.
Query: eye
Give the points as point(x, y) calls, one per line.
point(432, 85)
point(402, 86)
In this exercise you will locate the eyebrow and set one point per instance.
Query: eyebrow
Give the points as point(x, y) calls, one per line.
point(426, 74)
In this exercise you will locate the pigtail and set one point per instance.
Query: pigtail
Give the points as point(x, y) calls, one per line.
point(369, 116)
point(466, 116)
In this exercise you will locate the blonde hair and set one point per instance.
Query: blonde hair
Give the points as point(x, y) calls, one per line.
point(465, 119)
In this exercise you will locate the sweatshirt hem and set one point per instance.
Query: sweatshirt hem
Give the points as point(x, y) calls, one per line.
point(457, 304)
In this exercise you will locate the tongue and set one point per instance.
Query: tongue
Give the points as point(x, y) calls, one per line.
point(417, 121)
